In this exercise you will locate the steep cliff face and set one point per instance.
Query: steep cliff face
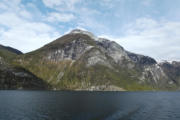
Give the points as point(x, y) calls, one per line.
point(80, 60)
point(172, 70)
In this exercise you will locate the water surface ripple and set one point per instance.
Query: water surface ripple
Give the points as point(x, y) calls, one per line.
point(60, 105)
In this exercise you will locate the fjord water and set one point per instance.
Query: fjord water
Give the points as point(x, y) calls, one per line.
point(51, 105)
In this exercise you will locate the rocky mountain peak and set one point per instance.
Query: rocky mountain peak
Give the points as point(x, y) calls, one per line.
point(80, 31)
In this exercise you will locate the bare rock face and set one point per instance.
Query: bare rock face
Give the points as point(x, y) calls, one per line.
point(172, 70)
point(97, 57)
point(154, 75)
point(72, 51)
point(141, 59)
point(112, 49)
point(121, 56)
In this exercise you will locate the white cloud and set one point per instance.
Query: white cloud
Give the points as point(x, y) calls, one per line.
point(87, 19)
point(25, 14)
point(10, 19)
point(3, 6)
point(147, 2)
point(12, 5)
point(20, 31)
point(109, 3)
point(62, 5)
point(158, 39)
point(52, 3)
point(78, 11)
point(60, 17)
point(28, 36)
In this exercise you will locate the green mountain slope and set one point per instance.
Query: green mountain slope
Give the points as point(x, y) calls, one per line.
point(12, 77)
point(8, 53)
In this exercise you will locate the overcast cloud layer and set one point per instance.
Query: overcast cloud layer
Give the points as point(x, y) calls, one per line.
point(149, 27)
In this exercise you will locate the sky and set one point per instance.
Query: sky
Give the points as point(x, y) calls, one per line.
point(148, 27)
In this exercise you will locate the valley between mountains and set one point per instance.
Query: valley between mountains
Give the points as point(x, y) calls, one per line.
point(81, 61)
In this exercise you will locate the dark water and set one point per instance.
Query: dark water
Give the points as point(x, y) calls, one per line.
point(49, 105)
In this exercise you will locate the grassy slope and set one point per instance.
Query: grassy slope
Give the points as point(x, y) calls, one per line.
point(7, 55)
point(10, 81)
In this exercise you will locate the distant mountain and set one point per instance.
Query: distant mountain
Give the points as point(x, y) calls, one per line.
point(10, 49)
point(81, 61)
point(8, 53)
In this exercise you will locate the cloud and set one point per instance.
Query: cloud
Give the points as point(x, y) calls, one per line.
point(19, 30)
point(2, 6)
point(78, 12)
point(25, 14)
point(146, 2)
point(27, 41)
point(9, 19)
point(157, 38)
point(109, 4)
point(60, 17)
point(62, 5)
point(52, 3)
point(13, 5)
point(28, 36)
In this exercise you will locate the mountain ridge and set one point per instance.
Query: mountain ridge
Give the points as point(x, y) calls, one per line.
point(81, 61)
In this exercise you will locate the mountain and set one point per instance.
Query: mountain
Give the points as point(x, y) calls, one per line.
point(81, 61)
point(10, 49)
point(12, 77)
point(8, 53)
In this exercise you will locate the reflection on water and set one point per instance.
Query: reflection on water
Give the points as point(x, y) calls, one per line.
point(50, 105)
